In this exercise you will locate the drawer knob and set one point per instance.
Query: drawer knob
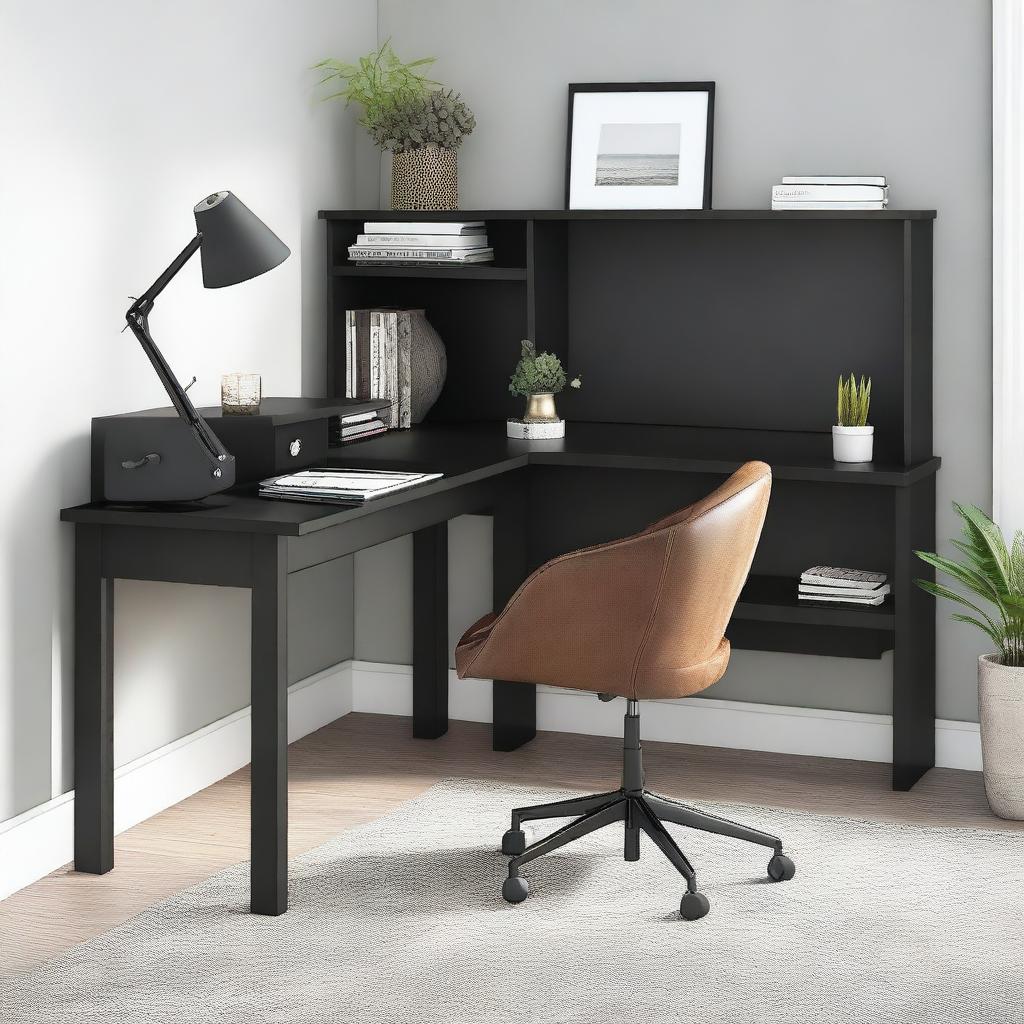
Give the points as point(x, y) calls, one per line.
point(295, 447)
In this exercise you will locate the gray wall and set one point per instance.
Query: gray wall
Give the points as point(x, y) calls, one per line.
point(115, 119)
point(902, 89)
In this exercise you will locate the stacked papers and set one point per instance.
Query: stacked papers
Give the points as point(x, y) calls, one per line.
point(341, 485)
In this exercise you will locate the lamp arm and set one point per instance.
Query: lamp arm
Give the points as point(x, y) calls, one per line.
point(138, 320)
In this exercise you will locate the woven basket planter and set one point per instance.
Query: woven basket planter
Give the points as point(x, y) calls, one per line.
point(425, 179)
point(1001, 711)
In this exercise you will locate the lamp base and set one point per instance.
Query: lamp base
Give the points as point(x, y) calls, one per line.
point(154, 456)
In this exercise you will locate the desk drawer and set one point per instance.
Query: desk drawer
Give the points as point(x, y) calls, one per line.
point(298, 445)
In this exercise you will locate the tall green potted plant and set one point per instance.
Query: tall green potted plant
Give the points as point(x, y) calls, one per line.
point(993, 575)
point(411, 117)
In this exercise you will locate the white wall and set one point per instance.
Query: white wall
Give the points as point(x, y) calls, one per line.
point(871, 86)
point(116, 117)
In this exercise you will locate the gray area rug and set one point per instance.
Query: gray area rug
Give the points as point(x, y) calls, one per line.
point(401, 921)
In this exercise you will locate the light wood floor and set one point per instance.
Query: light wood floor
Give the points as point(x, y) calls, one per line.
point(362, 766)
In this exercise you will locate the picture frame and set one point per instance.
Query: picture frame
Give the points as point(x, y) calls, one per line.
point(639, 146)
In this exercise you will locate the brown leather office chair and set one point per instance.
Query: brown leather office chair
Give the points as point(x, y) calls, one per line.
point(642, 617)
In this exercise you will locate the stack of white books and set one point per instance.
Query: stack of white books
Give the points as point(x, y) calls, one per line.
point(419, 243)
point(831, 192)
point(843, 586)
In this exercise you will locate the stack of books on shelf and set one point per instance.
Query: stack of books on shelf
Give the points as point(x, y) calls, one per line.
point(378, 361)
point(421, 243)
point(346, 486)
point(826, 583)
point(358, 424)
point(831, 192)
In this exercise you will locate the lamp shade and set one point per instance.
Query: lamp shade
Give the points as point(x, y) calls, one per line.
point(236, 244)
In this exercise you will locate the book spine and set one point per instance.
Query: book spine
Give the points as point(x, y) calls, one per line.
point(419, 227)
point(424, 241)
point(821, 204)
point(375, 349)
point(404, 320)
point(362, 252)
point(389, 368)
point(832, 193)
point(350, 354)
point(362, 391)
point(834, 179)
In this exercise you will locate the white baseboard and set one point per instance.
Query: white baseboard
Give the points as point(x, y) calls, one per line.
point(387, 690)
point(41, 840)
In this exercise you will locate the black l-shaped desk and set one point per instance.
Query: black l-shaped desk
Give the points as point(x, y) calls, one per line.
point(603, 480)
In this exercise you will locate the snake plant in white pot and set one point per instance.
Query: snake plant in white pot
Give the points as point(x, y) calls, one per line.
point(852, 437)
point(993, 574)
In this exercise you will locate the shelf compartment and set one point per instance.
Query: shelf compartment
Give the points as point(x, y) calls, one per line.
point(774, 599)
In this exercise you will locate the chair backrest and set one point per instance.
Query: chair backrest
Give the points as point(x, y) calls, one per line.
point(711, 547)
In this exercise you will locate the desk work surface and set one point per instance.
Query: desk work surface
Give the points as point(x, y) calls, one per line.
point(467, 452)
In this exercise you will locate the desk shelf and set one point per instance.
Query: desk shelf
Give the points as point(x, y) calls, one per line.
point(774, 599)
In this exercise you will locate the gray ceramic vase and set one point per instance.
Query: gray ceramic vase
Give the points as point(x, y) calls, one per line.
point(428, 363)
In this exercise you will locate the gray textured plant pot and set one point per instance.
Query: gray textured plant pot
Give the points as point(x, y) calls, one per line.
point(1001, 713)
point(425, 179)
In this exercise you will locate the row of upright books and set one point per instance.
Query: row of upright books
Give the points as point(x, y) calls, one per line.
point(831, 585)
point(378, 360)
point(831, 192)
point(421, 243)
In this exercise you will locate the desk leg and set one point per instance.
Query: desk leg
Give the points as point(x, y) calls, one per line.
point(94, 705)
point(515, 704)
point(269, 785)
point(430, 632)
point(913, 660)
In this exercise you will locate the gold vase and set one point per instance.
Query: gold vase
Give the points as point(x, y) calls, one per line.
point(540, 408)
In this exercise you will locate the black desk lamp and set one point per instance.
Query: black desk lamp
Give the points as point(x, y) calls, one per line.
point(179, 458)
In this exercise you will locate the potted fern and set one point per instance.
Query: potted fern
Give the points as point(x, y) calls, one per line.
point(994, 577)
point(538, 377)
point(408, 115)
point(852, 437)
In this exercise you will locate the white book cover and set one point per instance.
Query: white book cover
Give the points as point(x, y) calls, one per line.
point(423, 227)
point(404, 369)
point(836, 576)
point(389, 367)
point(832, 193)
point(871, 602)
point(357, 417)
point(788, 204)
point(810, 588)
point(425, 241)
point(361, 428)
point(833, 179)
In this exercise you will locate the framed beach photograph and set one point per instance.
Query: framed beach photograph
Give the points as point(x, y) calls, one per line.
point(640, 146)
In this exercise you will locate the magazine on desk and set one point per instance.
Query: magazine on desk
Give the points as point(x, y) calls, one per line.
point(344, 486)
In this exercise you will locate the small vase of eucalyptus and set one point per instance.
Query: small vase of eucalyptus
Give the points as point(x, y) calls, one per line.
point(410, 116)
point(852, 437)
point(538, 377)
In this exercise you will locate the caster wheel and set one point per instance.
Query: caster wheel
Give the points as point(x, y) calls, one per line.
point(693, 906)
point(781, 868)
point(513, 842)
point(515, 890)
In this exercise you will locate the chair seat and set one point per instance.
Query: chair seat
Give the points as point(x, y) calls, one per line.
point(473, 656)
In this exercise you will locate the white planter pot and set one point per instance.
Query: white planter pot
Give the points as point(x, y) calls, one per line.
point(1001, 712)
point(852, 444)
